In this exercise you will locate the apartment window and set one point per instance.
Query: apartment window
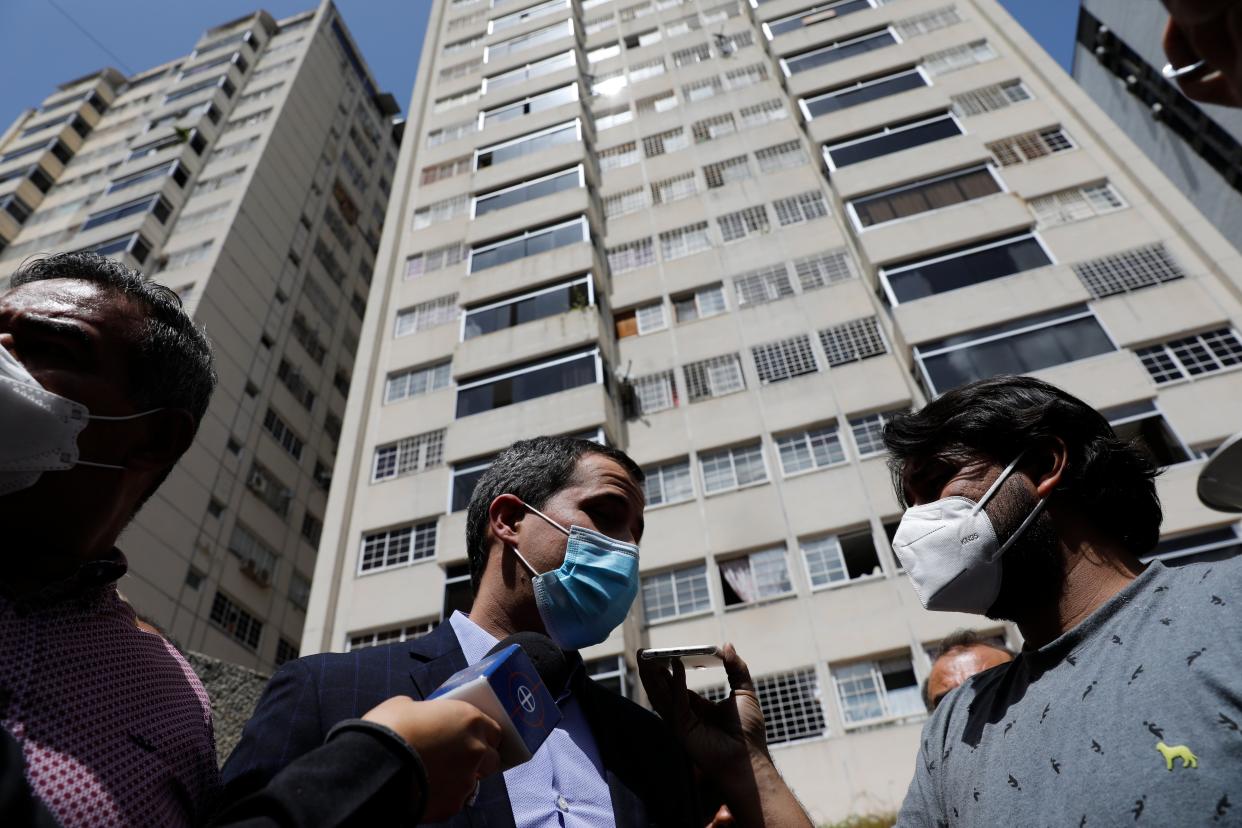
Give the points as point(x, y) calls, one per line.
point(529, 382)
point(924, 196)
point(218, 182)
point(427, 315)
point(530, 70)
point(567, 133)
point(171, 169)
point(692, 55)
point(676, 593)
point(781, 156)
point(727, 171)
point(205, 216)
point(740, 224)
point(811, 15)
point(155, 204)
point(283, 435)
point(664, 142)
point(528, 191)
point(530, 13)
point(677, 187)
point(1017, 347)
point(684, 241)
point(625, 202)
point(460, 70)
point(598, 24)
point(702, 89)
point(1143, 425)
point(285, 650)
point(528, 307)
point(235, 622)
point(528, 243)
point(456, 24)
point(1019, 149)
point(187, 256)
point(133, 244)
point(893, 138)
point(622, 155)
point(258, 560)
point(18, 209)
point(184, 92)
point(762, 113)
point(838, 50)
point(799, 208)
point(435, 259)
point(253, 119)
point(700, 304)
point(714, 377)
point(732, 468)
point(642, 320)
point(463, 44)
point(312, 528)
point(668, 483)
point(604, 53)
point(434, 213)
point(836, 559)
point(654, 392)
point(452, 132)
point(746, 76)
point(465, 478)
point(608, 84)
point(606, 119)
point(964, 266)
point(446, 169)
point(958, 57)
point(378, 638)
point(454, 101)
point(766, 284)
point(408, 456)
point(927, 22)
point(1216, 543)
point(1075, 204)
point(293, 380)
point(784, 359)
point(1191, 356)
point(1129, 270)
point(631, 256)
point(990, 98)
point(868, 432)
point(877, 691)
point(397, 547)
point(756, 577)
point(814, 448)
point(709, 129)
point(257, 95)
point(861, 92)
point(852, 341)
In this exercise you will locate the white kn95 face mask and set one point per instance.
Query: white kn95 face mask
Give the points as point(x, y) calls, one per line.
point(38, 429)
point(951, 551)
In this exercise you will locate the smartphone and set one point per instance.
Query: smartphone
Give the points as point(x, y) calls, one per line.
point(695, 657)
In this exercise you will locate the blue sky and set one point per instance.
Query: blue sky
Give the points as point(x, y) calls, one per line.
point(40, 47)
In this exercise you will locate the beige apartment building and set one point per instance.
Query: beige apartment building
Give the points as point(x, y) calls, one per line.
point(733, 238)
point(251, 176)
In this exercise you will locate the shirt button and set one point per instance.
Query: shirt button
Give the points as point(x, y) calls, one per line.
point(563, 804)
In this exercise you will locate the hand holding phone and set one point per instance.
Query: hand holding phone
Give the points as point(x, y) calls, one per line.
point(695, 657)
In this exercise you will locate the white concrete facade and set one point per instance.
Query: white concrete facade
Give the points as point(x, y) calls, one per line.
point(755, 306)
point(273, 154)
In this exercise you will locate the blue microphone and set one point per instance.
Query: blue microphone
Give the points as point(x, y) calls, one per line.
point(516, 685)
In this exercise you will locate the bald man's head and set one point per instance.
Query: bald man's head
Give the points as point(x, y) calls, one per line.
point(961, 655)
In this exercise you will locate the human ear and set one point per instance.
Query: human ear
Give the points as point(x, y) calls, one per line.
point(504, 518)
point(1049, 466)
point(164, 436)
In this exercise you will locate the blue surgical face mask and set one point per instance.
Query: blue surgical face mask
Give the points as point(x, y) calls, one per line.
point(587, 596)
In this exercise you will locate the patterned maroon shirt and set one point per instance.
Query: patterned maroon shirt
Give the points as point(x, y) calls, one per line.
point(114, 725)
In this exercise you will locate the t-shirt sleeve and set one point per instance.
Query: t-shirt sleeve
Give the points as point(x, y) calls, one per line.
point(921, 808)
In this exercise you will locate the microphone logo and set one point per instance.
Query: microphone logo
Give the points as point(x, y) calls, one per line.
point(526, 698)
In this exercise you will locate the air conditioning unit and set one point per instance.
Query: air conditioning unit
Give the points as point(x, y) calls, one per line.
point(263, 577)
point(257, 482)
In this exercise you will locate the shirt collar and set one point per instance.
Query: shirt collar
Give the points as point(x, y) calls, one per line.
point(477, 642)
point(89, 580)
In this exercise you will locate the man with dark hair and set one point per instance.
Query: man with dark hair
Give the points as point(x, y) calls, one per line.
point(962, 654)
point(552, 537)
point(103, 382)
point(1123, 705)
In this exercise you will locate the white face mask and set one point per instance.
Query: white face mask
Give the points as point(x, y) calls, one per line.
point(38, 429)
point(950, 549)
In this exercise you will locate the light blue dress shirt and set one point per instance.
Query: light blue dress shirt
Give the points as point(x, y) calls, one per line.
point(563, 785)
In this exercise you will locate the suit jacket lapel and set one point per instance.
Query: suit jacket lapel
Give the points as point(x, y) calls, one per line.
point(435, 657)
point(615, 753)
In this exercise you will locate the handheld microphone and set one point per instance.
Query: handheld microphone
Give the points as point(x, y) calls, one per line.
point(516, 685)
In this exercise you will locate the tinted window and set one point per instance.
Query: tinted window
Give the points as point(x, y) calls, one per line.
point(567, 134)
point(873, 91)
point(527, 309)
point(839, 51)
point(529, 385)
point(817, 14)
point(923, 197)
point(970, 267)
point(536, 103)
point(864, 149)
point(537, 242)
point(518, 195)
point(1019, 353)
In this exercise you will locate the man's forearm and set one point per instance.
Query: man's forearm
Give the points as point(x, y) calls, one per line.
point(758, 796)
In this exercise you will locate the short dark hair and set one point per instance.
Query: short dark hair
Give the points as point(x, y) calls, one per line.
point(534, 470)
point(960, 639)
point(172, 365)
point(1109, 481)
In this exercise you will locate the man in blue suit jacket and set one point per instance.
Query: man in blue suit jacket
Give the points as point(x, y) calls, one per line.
point(609, 761)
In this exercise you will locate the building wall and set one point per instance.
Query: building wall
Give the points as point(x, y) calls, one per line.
point(270, 239)
point(837, 640)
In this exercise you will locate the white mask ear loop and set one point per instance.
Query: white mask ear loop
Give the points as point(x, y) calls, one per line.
point(521, 558)
point(116, 418)
point(996, 485)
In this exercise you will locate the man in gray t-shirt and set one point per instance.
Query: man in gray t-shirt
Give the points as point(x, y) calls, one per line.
point(1125, 707)
point(1132, 717)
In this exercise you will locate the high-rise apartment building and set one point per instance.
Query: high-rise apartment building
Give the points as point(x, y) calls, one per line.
point(251, 176)
point(1118, 60)
point(733, 238)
